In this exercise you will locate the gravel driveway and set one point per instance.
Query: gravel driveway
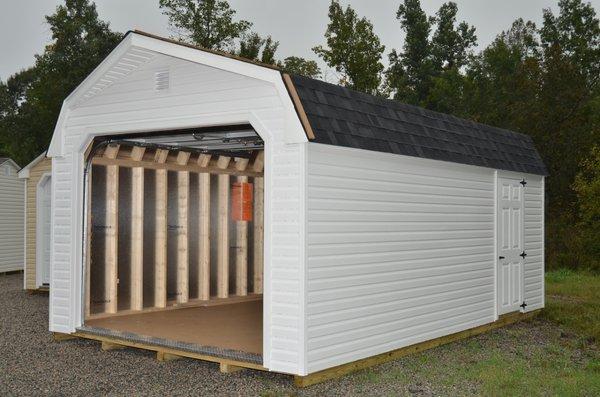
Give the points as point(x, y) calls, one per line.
point(32, 363)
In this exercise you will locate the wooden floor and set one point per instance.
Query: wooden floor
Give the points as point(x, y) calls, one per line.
point(236, 326)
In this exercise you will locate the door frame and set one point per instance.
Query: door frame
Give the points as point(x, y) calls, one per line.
point(517, 177)
point(45, 179)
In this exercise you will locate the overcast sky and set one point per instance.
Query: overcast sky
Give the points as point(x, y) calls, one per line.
point(297, 24)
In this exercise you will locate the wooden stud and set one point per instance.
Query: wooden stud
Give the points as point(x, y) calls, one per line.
point(259, 162)
point(160, 156)
point(183, 189)
point(258, 222)
point(160, 240)
point(137, 239)
point(108, 346)
point(204, 160)
point(241, 164)
point(111, 151)
point(137, 153)
point(204, 243)
point(226, 368)
point(223, 238)
point(164, 357)
point(223, 162)
point(241, 253)
point(111, 239)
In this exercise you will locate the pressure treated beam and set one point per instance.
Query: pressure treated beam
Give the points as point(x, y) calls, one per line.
point(160, 240)
point(183, 189)
point(258, 221)
point(173, 166)
point(111, 239)
point(137, 231)
point(204, 243)
point(223, 238)
point(241, 253)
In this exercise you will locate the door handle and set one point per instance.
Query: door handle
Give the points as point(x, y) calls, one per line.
point(500, 257)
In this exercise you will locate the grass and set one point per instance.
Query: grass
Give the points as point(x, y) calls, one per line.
point(573, 301)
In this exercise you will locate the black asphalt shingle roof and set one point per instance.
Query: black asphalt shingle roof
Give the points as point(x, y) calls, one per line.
point(344, 117)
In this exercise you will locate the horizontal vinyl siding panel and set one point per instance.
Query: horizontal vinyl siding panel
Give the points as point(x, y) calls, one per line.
point(400, 250)
point(534, 243)
point(12, 207)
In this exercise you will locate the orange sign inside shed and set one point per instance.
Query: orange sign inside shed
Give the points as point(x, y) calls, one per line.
point(241, 201)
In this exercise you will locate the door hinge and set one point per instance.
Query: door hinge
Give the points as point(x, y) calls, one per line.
point(523, 182)
point(523, 255)
point(500, 257)
point(523, 305)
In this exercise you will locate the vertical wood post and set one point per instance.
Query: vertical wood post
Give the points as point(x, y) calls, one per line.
point(137, 232)
point(183, 189)
point(204, 243)
point(258, 220)
point(241, 243)
point(160, 239)
point(223, 231)
point(111, 235)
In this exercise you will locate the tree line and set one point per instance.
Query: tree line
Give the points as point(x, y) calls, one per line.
point(543, 81)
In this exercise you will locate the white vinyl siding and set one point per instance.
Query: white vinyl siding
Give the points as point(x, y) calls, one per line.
point(196, 94)
point(534, 242)
point(12, 205)
point(400, 250)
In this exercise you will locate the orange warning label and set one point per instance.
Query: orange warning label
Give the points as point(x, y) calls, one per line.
point(241, 201)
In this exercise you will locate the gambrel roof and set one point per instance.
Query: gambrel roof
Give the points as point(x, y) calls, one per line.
point(344, 117)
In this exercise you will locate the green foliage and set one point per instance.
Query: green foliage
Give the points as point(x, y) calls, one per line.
point(31, 99)
point(300, 66)
point(587, 187)
point(207, 23)
point(428, 60)
point(353, 49)
point(251, 45)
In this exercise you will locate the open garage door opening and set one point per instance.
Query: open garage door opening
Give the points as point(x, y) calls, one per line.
point(175, 239)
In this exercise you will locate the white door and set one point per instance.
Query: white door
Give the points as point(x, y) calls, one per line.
point(43, 252)
point(510, 245)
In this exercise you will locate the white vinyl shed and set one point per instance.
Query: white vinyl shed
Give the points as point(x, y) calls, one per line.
point(12, 204)
point(217, 208)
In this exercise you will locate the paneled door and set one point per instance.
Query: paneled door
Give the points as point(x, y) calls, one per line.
point(510, 245)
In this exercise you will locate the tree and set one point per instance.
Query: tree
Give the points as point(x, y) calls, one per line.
point(428, 59)
point(252, 44)
point(207, 23)
point(300, 66)
point(80, 41)
point(587, 187)
point(353, 49)
point(451, 44)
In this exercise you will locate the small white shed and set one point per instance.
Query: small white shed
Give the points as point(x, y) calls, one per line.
point(12, 199)
point(372, 226)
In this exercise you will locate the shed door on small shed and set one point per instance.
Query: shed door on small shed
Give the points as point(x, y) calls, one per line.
point(43, 227)
point(510, 245)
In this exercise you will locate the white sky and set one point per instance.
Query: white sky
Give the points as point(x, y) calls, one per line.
point(297, 24)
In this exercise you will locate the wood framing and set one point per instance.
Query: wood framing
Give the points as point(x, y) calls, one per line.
point(160, 239)
point(204, 243)
point(341, 370)
point(137, 232)
point(223, 238)
point(258, 221)
point(183, 190)
point(241, 252)
point(111, 232)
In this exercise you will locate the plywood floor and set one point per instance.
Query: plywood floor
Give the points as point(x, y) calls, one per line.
point(237, 326)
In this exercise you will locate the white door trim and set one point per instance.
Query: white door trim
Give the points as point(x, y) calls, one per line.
point(39, 237)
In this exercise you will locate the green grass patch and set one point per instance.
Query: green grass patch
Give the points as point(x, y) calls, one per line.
point(573, 301)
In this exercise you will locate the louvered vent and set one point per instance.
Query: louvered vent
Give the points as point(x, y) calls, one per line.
point(161, 80)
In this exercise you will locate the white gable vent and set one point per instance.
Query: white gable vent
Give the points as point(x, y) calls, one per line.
point(161, 80)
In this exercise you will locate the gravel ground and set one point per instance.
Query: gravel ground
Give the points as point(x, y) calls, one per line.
point(32, 363)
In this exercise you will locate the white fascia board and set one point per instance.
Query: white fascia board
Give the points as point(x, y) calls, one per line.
point(24, 173)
